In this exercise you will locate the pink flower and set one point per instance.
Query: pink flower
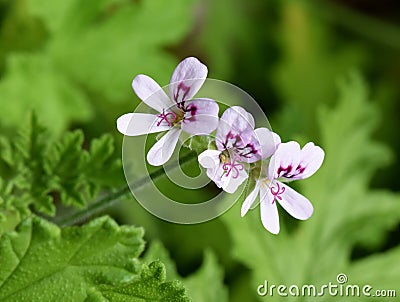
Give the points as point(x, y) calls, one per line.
point(288, 163)
point(237, 144)
point(176, 113)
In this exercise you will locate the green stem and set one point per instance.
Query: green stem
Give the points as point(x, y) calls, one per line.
point(111, 199)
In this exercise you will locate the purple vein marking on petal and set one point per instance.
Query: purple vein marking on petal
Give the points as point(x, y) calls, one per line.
point(247, 151)
point(277, 192)
point(233, 165)
point(231, 140)
point(193, 111)
point(287, 172)
point(185, 90)
point(300, 169)
point(164, 117)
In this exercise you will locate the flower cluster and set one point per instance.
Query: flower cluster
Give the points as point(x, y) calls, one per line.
point(239, 152)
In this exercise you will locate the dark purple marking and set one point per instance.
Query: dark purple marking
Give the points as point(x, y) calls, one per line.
point(229, 136)
point(182, 88)
point(193, 111)
point(247, 151)
point(287, 172)
point(300, 169)
point(277, 193)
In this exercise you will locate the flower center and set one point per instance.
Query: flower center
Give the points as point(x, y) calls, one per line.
point(169, 117)
point(224, 156)
point(277, 191)
point(232, 166)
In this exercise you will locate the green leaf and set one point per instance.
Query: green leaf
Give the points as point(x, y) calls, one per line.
point(378, 270)
point(205, 285)
point(18, 30)
point(41, 170)
point(32, 82)
point(94, 262)
point(157, 251)
point(101, 154)
point(311, 61)
point(219, 34)
point(26, 181)
point(118, 44)
point(41, 262)
point(91, 53)
point(151, 286)
point(347, 212)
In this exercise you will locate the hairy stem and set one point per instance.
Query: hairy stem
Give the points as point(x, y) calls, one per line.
point(111, 199)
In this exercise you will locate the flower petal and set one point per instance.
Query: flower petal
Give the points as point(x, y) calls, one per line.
point(230, 183)
point(285, 160)
point(311, 160)
point(268, 140)
point(245, 114)
point(151, 93)
point(269, 211)
point(133, 124)
point(162, 150)
point(187, 79)
point(290, 163)
point(201, 117)
point(209, 159)
point(295, 204)
point(256, 145)
point(233, 128)
point(247, 204)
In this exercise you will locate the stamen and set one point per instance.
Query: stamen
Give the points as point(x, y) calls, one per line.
point(277, 193)
point(164, 117)
point(233, 165)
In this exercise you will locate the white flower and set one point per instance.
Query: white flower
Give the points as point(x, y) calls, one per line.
point(288, 163)
point(237, 144)
point(177, 112)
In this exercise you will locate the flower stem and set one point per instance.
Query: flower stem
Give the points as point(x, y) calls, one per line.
point(112, 198)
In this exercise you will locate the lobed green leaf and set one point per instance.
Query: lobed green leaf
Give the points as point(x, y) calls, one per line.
point(347, 212)
point(42, 171)
point(205, 285)
point(94, 262)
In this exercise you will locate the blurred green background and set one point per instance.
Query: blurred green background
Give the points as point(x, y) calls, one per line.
point(323, 71)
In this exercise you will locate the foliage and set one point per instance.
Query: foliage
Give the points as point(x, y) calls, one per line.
point(41, 171)
point(91, 51)
point(306, 57)
point(151, 286)
point(348, 214)
point(205, 285)
point(94, 262)
point(73, 64)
